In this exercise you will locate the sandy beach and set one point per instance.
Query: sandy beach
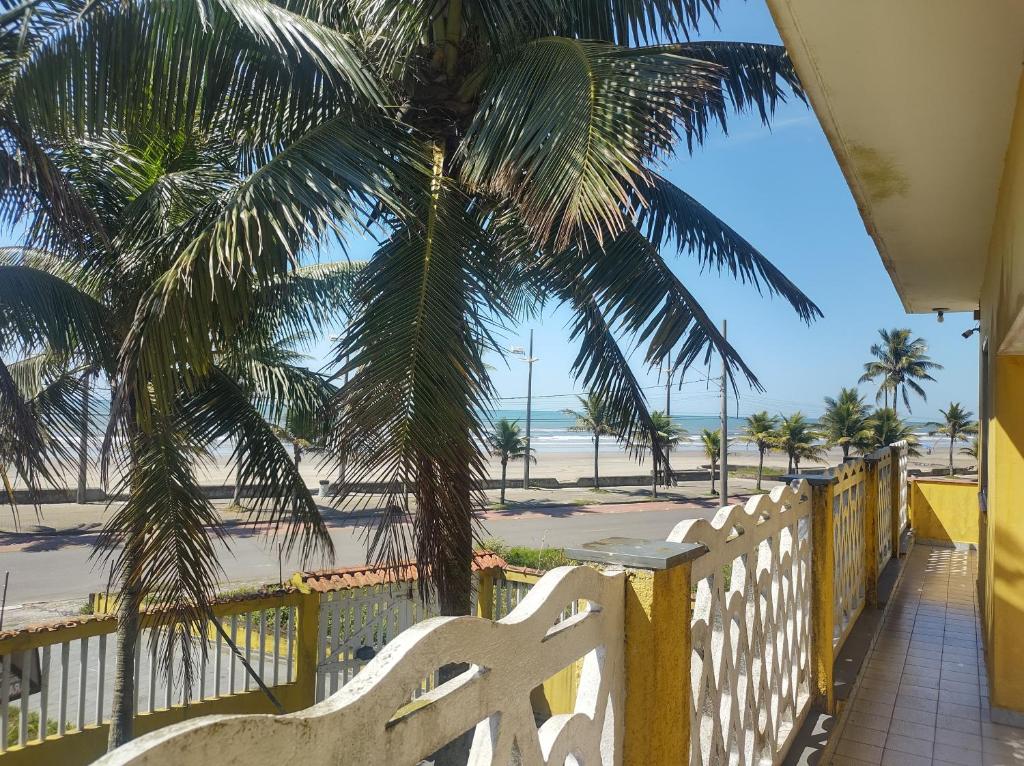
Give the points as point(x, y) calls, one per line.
point(569, 465)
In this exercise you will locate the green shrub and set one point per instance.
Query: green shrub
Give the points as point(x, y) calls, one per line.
point(14, 718)
point(523, 556)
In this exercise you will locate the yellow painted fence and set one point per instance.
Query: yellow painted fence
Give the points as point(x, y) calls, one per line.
point(279, 634)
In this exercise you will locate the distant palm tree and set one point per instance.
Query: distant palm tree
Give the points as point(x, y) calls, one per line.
point(594, 417)
point(971, 450)
point(712, 441)
point(957, 424)
point(888, 428)
point(899, 363)
point(760, 431)
point(845, 421)
point(798, 438)
point(667, 437)
point(508, 443)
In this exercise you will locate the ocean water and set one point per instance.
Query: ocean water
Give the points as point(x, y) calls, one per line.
point(549, 432)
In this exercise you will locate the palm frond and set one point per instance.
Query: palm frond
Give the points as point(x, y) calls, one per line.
point(163, 539)
point(39, 310)
point(640, 296)
point(565, 125)
point(305, 191)
point(603, 367)
point(753, 74)
point(670, 216)
point(222, 410)
point(23, 449)
point(409, 413)
point(109, 67)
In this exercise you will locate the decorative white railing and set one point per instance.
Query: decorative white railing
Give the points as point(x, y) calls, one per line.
point(750, 631)
point(849, 498)
point(371, 720)
point(883, 505)
point(70, 676)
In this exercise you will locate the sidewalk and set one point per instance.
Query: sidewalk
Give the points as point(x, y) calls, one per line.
point(75, 518)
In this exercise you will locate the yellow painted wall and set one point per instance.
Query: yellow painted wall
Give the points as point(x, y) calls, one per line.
point(945, 510)
point(1003, 546)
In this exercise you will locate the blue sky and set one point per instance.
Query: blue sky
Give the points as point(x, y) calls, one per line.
point(782, 189)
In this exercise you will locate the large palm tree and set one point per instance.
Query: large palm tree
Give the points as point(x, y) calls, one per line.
point(799, 439)
point(502, 158)
point(899, 363)
point(667, 436)
point(887, 427)
point(972, 449)
point(594, 417)
point(957, 424)
point(760, 431)
point(506, 443)
point(846, 420)
point(712, 443)
point(103, 309)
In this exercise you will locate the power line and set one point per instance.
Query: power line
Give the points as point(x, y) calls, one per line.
point(584, 393)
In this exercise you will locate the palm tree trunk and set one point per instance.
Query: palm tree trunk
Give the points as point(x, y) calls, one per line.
point(454, 578)
point(83, 443)
point(760, 468)
point(846, 452)
point(714, 470)
point(504, 469)
point(122, 714)
point(597, 478)
point(668, 469)
point(951, 454)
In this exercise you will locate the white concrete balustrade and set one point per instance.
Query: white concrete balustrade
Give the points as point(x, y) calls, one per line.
point(374, 720)
point(750, 629)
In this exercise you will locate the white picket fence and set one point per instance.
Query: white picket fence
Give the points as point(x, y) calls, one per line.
point(74, 677)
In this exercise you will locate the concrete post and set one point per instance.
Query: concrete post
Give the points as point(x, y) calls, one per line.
point(822, 590)
point(485, 595)
point(894, 487)
point(657, 645)
point(871, 532)
point(306, 660)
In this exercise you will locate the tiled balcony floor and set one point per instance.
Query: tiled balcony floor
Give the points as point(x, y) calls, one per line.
point(924, 695)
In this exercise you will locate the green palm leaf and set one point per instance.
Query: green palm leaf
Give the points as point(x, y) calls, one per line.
point(670, 216)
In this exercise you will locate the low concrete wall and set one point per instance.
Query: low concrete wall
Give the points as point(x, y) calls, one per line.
point(945, 511)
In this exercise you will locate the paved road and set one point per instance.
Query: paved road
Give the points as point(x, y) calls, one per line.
point(58, 567)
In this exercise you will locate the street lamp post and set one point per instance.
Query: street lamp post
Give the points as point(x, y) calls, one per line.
point(529, 358)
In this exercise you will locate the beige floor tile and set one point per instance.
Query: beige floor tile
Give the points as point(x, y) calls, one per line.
point(923, 731)
point(909, 745)
point(867, 753)
point(897, 758)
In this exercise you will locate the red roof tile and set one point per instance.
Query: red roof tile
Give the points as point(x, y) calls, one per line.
point(327, 580)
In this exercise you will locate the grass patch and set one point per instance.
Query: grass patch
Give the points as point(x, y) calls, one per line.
point(523, 556)
point(750, 472)
point(14, 720)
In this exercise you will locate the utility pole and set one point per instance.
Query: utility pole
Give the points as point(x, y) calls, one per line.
point(723, 461)
point(83, 443)
point(529, 410)
point(668, 391)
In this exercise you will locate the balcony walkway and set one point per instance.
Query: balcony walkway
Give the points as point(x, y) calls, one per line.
point(924, 695)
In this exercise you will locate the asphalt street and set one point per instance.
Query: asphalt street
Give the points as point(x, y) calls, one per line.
point(45, 568)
